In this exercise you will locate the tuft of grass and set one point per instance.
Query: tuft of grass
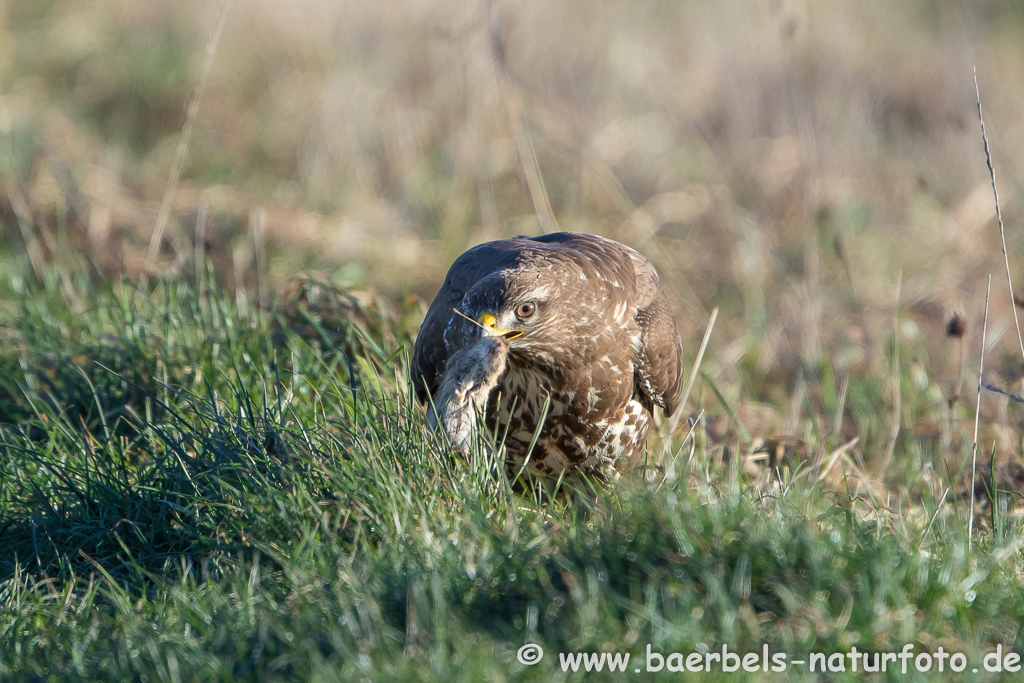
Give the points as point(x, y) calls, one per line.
point(191, 490)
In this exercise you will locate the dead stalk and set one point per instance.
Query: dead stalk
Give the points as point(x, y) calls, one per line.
point(693, 375)
point(182, 150)
point(999, 213)
point(977, 413)
point(897, 389)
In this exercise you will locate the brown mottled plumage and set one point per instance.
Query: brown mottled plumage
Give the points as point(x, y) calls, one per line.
point(589, 335)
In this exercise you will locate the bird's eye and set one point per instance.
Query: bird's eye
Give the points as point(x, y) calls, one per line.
point(526, 310)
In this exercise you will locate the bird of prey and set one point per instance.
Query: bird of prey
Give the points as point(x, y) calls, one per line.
point(563, 341)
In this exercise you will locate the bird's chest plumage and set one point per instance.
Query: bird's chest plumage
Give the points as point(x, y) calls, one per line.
point(572, 425)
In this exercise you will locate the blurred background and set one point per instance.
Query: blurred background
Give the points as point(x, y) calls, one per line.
point(814, 169)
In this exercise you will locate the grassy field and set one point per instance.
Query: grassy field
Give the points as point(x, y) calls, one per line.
point(210, 463)
point(192, 489)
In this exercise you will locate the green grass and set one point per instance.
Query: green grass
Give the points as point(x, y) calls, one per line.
point(194, 490)
point(197, 487)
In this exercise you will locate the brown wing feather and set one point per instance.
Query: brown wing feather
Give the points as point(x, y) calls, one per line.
point(659, 371)
point(660, 368)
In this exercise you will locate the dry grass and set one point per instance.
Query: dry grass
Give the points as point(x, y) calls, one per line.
point(782, 161)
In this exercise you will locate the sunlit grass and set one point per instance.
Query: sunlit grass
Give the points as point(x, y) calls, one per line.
point(190, 490)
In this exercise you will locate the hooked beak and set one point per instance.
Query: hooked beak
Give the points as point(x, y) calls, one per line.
point(490, 324)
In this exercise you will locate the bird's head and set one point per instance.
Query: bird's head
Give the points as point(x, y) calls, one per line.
point(516, 306)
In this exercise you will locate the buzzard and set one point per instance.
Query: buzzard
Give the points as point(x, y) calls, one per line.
point(563, 341)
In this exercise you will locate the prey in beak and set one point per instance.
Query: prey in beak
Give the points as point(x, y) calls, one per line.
point(471, 374)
